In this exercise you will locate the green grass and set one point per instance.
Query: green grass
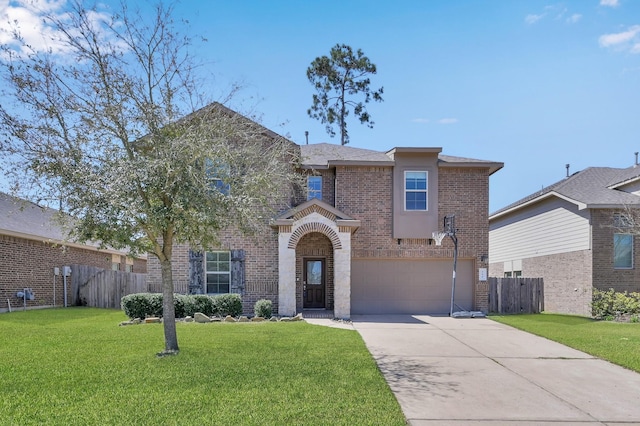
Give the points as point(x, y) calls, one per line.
point(76, 366)
point(612, 341)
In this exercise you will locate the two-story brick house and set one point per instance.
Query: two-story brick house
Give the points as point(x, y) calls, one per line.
point(360, 241)
point(567, 234)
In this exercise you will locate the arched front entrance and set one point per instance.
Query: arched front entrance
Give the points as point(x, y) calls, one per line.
point(314, 272)
point(303, 231)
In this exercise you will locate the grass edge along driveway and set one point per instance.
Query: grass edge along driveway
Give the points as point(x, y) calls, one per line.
point(616, 342)
point(76, 366)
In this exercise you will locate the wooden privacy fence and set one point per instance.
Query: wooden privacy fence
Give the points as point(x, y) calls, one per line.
point(516, 295)
point(101, 288)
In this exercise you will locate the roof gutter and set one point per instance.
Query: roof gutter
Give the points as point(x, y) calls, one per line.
point(65, 243)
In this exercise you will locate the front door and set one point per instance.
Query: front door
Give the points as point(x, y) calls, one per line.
point(313, 283)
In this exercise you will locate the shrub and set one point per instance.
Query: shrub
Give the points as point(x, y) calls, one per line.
point(143, 305)
point(262, 308)
point(180, 303)
point(228, 304)
point(189, 306)
point(139, 305)
point(203, 304)
point(610, 304)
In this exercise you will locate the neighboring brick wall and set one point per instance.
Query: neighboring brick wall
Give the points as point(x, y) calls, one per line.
point(496, 269)
point(567, 281)
point(604, 274)
point(139, 266)
point(30, 264)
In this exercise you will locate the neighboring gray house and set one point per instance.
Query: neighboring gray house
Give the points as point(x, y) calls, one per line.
point(567, 234)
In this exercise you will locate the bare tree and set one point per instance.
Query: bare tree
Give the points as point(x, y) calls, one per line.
point(106, 121)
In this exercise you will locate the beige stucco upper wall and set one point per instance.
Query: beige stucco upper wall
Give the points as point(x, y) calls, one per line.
point(415, 224)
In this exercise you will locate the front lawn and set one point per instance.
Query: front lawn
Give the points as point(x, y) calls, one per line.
point(76, 366)
point(613, 341)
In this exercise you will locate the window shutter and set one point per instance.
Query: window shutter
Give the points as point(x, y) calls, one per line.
point(196, 272)
point(237, 271)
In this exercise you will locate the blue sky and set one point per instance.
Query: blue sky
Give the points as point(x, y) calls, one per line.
point(534, 84)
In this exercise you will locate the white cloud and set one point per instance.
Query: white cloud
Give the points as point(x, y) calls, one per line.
point(630, 70)
point(447, 121)
point(532, 19)
point(574, 18)
point(556, 12)
point(26, 17)
point(420, 120)
point(625, 40)
point(609, 3)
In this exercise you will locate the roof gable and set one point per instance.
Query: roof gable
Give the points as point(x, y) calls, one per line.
point(313, 205)
point(594, 187)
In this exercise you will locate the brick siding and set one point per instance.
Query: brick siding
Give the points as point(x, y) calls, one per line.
point(567, 281)
point(30, 264)
point(366, 194)
point(605, 276)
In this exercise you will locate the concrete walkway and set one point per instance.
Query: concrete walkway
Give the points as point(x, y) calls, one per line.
point(452, 372)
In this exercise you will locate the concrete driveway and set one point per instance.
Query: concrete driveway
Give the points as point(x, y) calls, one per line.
point(447, 371)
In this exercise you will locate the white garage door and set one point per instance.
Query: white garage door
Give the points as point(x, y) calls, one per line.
point(409, 286)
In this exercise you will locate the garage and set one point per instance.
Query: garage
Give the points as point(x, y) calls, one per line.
point(399, 286)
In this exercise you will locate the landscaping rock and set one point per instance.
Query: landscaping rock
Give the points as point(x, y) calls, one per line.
point(229, 318)
point(243, 319)
point(273, 319)
point(201, 318)
point(152, 320)
point(297, 317)
point(257, 319)
point(188, 319)
point(285, 319)
point(216, 319)
point(126, 323)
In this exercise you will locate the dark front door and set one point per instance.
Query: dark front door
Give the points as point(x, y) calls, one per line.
point(313, 283)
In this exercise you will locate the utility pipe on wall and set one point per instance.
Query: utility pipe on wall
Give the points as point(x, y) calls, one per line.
point(66, 271)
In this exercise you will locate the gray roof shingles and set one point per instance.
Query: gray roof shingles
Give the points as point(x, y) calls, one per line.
point(320, 155)
point(24, 217)
point(591, 186)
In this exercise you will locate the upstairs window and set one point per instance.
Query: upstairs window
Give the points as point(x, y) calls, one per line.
point(314, 187)
point(216, 174)
point(415, 190)
point(218, 272)
point(622, 251)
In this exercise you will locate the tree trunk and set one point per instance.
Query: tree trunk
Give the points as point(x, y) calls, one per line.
point(168, 309)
